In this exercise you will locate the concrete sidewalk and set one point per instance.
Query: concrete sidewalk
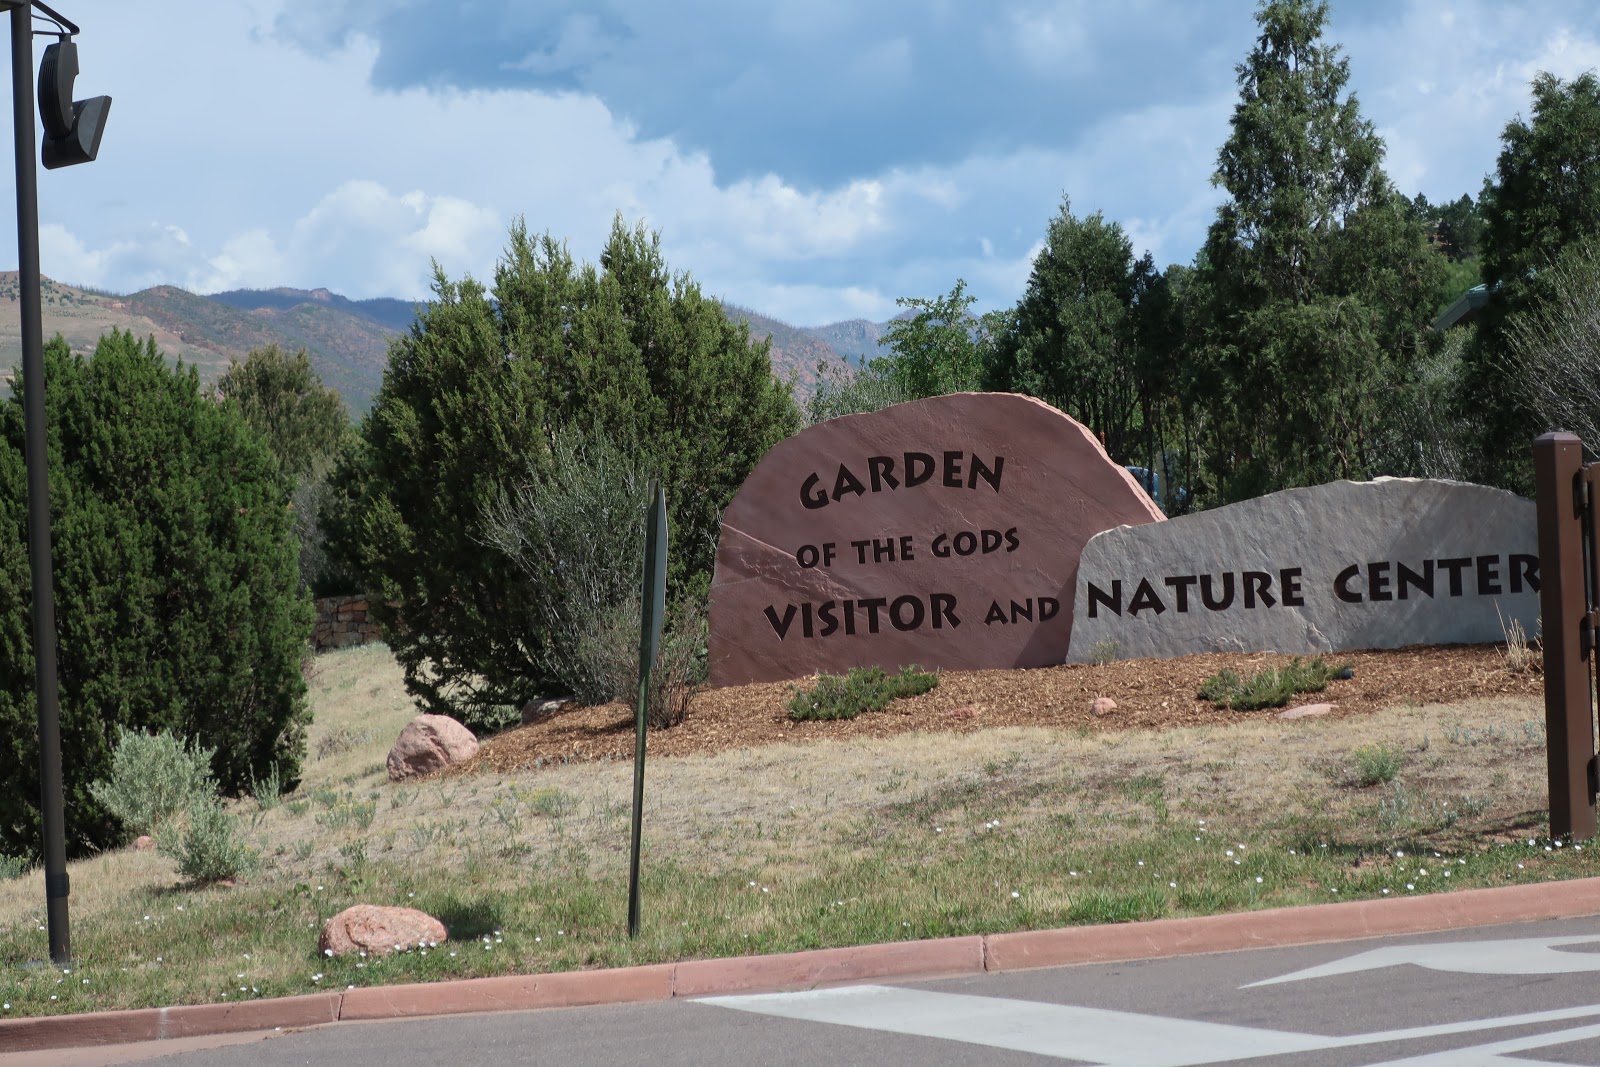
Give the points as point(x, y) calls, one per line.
point(799, 970)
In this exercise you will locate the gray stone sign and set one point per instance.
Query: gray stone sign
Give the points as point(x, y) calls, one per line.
point(1343, 566)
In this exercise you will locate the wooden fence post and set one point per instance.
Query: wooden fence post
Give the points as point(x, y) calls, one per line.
point(1567, 640)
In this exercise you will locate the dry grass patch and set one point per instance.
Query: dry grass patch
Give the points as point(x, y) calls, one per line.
point(842, 839)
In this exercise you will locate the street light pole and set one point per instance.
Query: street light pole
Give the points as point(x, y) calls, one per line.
point(56, 886)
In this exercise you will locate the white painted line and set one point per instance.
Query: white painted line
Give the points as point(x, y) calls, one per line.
point(1497, 1053)
point(1117, 1038)
point(1529, 955)
point(1093, 1034)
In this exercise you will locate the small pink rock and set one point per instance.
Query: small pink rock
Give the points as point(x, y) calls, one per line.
point(1102, 706)
point(1306, 711)
point(429, 743)
point(143, 843)
point(377, 930)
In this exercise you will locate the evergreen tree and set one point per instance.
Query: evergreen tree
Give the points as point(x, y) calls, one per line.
point(305, 424)
point(476, 392)
point(1320, 278)
point(1543, 198)
point(175, 582)
point(1075, 340)
point(284, 400)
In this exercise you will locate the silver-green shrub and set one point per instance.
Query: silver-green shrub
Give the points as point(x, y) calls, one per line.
point(154, 777)
point(206, 842)
point(575, 528)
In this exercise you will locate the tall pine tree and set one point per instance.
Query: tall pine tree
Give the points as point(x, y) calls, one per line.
point(1320, 281)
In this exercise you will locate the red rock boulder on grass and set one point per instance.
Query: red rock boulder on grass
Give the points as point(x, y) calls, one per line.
point(944, 532)
point(378, 930)
point(430, 743)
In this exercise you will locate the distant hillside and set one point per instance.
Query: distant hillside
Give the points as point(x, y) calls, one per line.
point(854, 338)
point(348, 350)
point(795, 351)
point(393, 315)
point(347, 340)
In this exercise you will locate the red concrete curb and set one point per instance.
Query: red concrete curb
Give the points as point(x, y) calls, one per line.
point(952, 955)
point(156, 1024)
point(1276, 927)
point(569, 989)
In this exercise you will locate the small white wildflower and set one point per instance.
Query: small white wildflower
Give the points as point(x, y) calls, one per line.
point(1172, 885)
point(327, 952)
point(1015, 894)
point(1258, 879)
point(1386, 892)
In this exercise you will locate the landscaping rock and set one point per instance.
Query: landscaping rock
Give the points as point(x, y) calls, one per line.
point(1306, 711)
point(1337, 567)
point(377, 930)
point(430, 743)
point(534, 710)
point(943, 532)
point(144, 843)
point(1102, 706)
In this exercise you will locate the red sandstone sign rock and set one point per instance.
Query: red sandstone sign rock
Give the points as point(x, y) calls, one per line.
point(944, 532)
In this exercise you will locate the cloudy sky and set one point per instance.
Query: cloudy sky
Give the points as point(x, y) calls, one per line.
point(810, 159)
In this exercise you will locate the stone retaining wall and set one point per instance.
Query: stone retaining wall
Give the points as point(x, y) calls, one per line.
point(342, 621)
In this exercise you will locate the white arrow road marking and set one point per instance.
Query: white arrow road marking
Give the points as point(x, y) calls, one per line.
point(1118, 1038)
point(1496, 1053)
point(1529, 955)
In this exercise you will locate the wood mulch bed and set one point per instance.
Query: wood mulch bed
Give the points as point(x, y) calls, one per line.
point(1150, 695)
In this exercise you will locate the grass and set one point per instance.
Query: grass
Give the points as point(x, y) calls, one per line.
point(794, 847)
point(862, 689)
point(1272, 687)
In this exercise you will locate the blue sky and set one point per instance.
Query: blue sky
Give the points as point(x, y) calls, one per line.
point(810, 159)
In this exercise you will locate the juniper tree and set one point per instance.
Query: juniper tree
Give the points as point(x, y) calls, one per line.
point(175, 584)
point(476, 392)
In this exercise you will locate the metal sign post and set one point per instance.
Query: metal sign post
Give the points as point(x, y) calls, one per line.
point(652, 609)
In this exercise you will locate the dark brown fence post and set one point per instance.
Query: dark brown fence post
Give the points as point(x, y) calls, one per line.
point(1568, 707)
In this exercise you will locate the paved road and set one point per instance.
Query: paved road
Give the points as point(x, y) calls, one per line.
point(1510, 996)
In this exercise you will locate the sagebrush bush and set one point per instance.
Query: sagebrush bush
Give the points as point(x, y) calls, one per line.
point(154, 777)
point(206, 842)
point(610, 653)
point(13, 867)
point(575, 530)
point(1377, 764)
point(1271, 687)
point(862, 689)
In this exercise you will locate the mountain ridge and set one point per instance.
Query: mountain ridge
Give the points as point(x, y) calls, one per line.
point(347, 340)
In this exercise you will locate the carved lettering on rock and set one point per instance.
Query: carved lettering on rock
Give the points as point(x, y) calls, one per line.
point(944, 532)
